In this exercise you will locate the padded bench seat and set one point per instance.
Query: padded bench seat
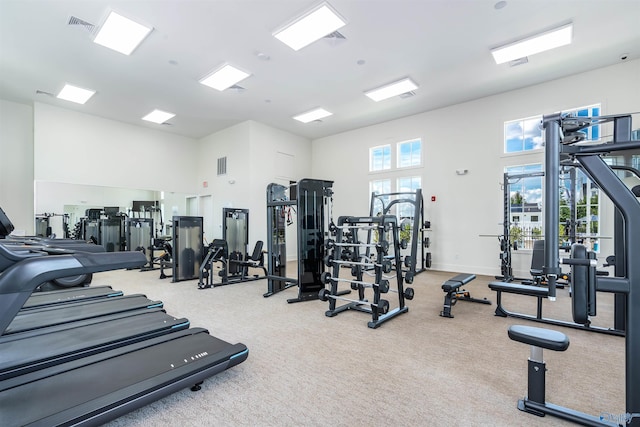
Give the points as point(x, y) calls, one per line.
point(516, 288)
point(539, 337)
point(456, 281)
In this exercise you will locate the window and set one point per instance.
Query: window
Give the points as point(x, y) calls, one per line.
point(380, 158)
point(526, 134)
point(592, 132)
point(525, 203)
point(409, 153)
point(523, 135)
point(382, 186)
point(407, 185)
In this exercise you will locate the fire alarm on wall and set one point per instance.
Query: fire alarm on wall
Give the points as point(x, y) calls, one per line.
point(433, 198)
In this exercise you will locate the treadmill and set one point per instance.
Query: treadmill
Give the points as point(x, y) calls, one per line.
point(106, 383)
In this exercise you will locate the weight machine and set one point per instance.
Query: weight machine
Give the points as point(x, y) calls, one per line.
point(561, 134)
point(43, 225)
point(311, 201)
point(188, 248)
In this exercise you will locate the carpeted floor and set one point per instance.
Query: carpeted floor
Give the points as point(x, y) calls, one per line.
point(418, 369)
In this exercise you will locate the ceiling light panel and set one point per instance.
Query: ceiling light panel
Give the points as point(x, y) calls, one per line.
point(315, 114)
point(310, 27)
point(393, 89)
point(121, 34)
point(75, 94)
point(530, 46)
point(158, 116)
point(224, 77)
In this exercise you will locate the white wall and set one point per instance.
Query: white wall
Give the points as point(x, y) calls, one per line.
point(72, 147)
point(16, 164)
point(467, 136)
point(257, 155)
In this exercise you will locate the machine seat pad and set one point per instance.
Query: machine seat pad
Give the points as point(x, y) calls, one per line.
point(539, 337)
point(516, 288)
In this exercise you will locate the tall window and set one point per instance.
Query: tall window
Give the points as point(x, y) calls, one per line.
point(382, 186)
point(409, 153)
point(408, 185)
point(525, 201)
point(380, 158)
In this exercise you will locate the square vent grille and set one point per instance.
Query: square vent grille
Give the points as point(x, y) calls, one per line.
point(73, 20)
point(222, 166)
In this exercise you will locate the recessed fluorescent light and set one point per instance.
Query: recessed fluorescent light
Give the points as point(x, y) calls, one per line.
point(75, 94)
point(312, 115)
point(388, 91)
point(121, 34)
point(158, 116)
point(310, 27)
point(530, 46)
point(224, 77)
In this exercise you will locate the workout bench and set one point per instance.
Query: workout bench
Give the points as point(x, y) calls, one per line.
point(454, 293)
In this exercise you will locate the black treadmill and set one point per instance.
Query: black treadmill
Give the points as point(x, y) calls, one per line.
point(106, 382)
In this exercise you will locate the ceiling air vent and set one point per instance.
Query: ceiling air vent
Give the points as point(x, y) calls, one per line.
point(86, 25)
point(236, 89)
point(519, 61)
point(407, 94)
point(334, 38)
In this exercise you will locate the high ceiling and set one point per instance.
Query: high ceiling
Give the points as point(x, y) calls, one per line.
point(443, 45)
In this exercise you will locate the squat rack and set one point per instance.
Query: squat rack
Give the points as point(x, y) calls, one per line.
point(418, 228)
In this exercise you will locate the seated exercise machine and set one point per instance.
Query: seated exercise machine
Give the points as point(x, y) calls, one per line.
point(104, 376)
point(454, 294)
point(561, 134)
point(231, 270)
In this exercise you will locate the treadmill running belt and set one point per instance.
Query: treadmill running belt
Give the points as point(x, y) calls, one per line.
point(25, 354)
point(55, 315)
point(102, 387)
point(72, 295)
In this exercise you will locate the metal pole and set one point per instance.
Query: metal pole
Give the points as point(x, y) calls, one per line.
point(551, 267)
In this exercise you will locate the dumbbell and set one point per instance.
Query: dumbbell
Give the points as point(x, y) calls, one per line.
point(408, 277)
point(408, 292)
point(386, 264)
point(326, 278)
point(380, 246)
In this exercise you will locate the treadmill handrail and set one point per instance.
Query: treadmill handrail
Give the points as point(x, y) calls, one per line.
point(20, 280)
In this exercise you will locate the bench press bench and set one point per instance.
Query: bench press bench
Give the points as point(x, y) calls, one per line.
point(454, 293)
